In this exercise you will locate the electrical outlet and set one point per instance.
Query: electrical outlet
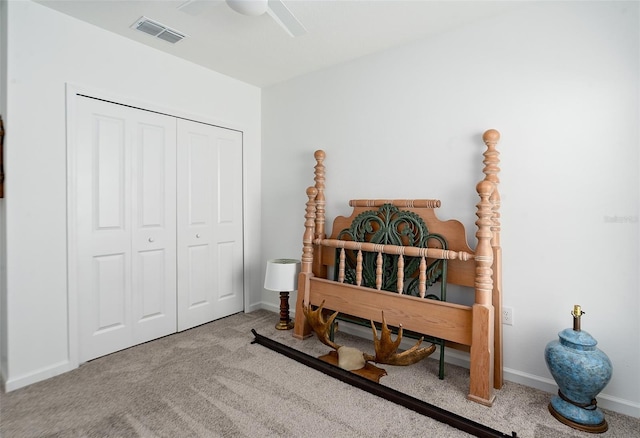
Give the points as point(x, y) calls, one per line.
point(507, 315)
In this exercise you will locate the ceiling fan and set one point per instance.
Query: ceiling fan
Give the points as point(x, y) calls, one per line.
point(275, 8)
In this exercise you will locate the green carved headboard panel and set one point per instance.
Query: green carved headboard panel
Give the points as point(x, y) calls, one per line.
point(392, 226)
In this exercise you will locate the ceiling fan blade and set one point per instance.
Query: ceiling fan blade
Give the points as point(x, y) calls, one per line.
point(283, 16)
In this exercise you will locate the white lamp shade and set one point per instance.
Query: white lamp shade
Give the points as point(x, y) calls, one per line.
point(282, 275)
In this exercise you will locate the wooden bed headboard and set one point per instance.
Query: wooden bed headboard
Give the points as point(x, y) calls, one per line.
point(478, 326)
point(458, 272)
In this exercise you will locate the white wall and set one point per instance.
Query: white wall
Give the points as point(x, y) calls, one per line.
point(64, 50)
point(560, 81)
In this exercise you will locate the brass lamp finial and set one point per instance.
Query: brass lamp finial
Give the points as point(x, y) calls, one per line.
point(577, 313)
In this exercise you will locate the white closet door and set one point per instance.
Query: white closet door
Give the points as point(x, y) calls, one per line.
point(210, 248)
point(126, 226)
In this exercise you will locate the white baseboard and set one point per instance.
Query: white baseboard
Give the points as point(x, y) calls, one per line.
point(262, 305)
point(12, 384)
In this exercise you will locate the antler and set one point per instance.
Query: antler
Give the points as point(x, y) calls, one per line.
point(315, 318)
point(386, 349)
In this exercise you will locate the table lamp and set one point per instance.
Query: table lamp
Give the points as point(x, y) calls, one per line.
point(282, 276)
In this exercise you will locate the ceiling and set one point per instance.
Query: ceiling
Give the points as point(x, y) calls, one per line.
point(258, 51)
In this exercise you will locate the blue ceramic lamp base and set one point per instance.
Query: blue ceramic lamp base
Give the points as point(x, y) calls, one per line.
point(588, 420)
point(581, 371)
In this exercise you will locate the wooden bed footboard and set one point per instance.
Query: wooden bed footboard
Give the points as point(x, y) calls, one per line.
point(477, 326)
point(439, 319)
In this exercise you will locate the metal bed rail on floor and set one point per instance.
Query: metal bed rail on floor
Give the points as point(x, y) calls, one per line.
point(409, 402)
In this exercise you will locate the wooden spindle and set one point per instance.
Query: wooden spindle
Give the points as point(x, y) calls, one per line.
point(309, 231)
point(359, 268)
point(379, 260)
point(319, 269)
point(341, 265)
point(491, 160)
point(422, 278)
point(484, 251)
point(491, 170)
point(400, 285)
point(319, 178)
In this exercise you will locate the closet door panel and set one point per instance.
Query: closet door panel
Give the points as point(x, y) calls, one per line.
point(197, 183)
point(227, 284)
point(154, 226)
point(151, 285)
point(125, 226)
point(209, 286)
point(104, 238)
point(229, 224)
point(107, 177)
point(199, 276)
point(110, 291)
point(200, 178)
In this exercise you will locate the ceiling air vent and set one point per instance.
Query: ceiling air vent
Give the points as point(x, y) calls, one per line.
point(158, 30)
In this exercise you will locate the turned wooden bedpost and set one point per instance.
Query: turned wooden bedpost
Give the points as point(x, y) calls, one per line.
point(491, 171)
point(301, 328)
point(482, 345)
point(319, 269)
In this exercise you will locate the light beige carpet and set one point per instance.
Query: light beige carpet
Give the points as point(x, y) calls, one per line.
point(211, 381)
